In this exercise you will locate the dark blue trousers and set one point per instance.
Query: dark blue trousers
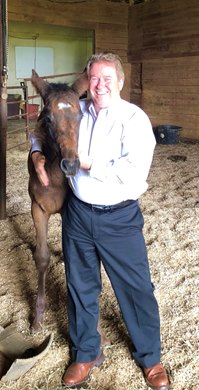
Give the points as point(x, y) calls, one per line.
point(116, 239)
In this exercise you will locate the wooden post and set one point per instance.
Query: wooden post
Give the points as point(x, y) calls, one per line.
point(3, 106)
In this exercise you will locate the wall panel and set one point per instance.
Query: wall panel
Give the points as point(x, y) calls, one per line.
point(170, 93)
point(164, 47)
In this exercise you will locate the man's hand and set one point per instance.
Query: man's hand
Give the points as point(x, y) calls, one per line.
point(39, 164)
point(85, 161)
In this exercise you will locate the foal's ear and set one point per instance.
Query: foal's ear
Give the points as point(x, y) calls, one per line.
point(40, 85)
point(80, 85)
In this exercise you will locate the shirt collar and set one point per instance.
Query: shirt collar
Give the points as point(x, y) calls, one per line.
point(88, 106)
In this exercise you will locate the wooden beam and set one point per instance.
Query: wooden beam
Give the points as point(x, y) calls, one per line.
point(3, 110)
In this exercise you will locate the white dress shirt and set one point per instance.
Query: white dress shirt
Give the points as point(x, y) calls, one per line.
point(120, 142)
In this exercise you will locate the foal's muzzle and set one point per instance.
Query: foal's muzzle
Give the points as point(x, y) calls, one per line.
point(68, 167)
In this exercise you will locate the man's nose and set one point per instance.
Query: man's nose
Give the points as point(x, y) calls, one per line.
point(101, 82)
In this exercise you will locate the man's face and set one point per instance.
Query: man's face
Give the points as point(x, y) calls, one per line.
point(104, 85)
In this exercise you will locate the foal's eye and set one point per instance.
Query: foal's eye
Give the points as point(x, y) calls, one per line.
point(52, 133)
point(47, 119)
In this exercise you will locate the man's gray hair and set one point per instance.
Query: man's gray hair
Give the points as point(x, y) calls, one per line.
point(109, 58)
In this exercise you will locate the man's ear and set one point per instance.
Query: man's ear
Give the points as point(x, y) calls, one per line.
point(121, 83)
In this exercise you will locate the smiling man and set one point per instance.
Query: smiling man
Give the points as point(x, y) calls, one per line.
point(102, 222)
point(105, 84)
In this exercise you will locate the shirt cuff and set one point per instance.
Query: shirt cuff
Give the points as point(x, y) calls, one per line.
point(35, 144)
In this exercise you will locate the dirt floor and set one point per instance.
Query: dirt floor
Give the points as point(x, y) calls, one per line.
point(171, 211)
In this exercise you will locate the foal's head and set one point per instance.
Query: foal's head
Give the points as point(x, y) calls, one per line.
point(60, 117)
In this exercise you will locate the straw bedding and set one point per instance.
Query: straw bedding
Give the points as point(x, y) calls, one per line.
point(171, 211)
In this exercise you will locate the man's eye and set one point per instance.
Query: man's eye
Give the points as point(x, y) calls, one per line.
point(93, 78)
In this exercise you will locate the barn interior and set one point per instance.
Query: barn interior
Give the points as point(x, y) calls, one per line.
point(158, 42)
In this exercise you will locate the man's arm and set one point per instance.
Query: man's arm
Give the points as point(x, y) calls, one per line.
point(133, 165)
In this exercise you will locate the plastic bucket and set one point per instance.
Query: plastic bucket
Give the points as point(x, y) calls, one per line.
point(33, 112)
point(167, 134)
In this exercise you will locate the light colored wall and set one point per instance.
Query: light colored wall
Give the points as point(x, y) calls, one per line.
point(108, 20)
point(72, 47)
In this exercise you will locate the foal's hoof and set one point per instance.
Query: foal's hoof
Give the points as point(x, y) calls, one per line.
point(36, 327)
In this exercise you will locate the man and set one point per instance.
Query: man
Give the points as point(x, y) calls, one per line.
point(103, 223)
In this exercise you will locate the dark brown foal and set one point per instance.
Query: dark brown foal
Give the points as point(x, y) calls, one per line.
point(57, 129)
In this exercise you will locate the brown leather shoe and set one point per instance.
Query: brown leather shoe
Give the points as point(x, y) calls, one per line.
point(78, 373)
point(156, 377)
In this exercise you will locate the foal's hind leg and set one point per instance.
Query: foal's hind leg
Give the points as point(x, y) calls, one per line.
point(42, 258)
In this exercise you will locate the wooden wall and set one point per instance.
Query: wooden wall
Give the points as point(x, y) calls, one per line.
point(164, 53)
point(158, 42)
point(109, 21)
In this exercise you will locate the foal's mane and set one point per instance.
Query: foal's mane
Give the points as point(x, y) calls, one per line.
point(52, 88)
point(59, 87)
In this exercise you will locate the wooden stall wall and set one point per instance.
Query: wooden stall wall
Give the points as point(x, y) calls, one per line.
point(109, 20)
point(164, 53)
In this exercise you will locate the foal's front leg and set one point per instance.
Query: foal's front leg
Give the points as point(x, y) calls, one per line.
point(42, 258)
